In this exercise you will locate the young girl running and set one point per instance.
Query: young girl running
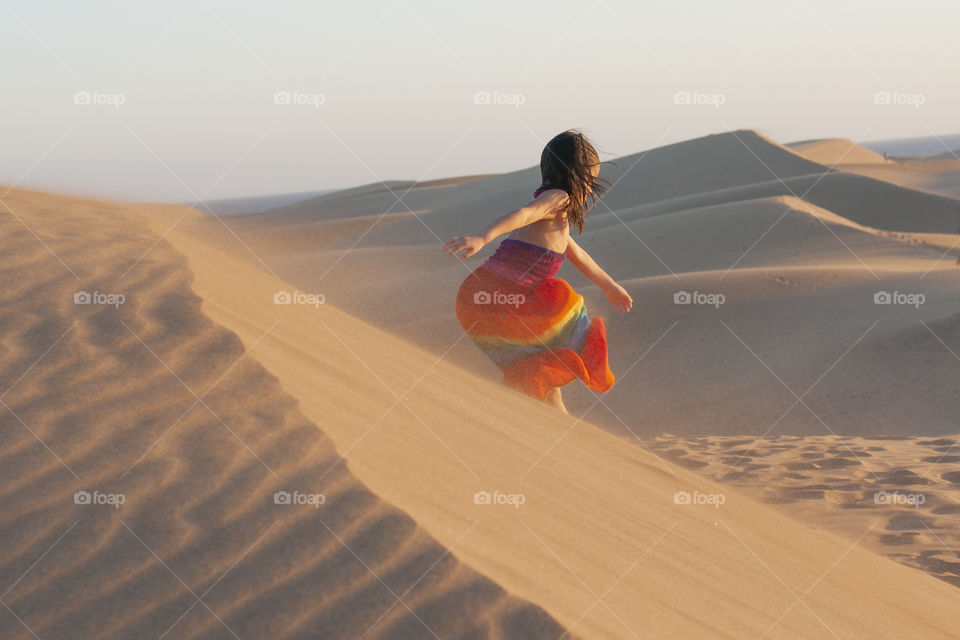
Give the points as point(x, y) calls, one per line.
point(532, 325)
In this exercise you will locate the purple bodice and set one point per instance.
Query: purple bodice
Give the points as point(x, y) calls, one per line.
point(523, 262)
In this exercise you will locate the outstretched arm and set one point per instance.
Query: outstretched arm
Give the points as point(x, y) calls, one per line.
point(543, 207)
point(617, 296)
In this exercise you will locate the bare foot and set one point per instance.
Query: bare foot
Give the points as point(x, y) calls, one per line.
point(555, 399)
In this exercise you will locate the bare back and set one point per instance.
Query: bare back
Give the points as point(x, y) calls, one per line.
point(552, 232)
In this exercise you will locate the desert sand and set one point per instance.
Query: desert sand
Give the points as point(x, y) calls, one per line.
point(908, 486)
point(199, 397)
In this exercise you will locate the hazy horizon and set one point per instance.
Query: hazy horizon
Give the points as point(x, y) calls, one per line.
point(213, 100)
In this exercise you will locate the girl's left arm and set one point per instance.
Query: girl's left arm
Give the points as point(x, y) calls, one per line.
point(617, 296)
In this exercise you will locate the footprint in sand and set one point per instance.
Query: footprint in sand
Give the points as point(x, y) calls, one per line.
point(952, 477)
point(947, 510)
point(689, 463)
point(835, 463)
point(900, 477)
point(736, 443)
point(898, 538)
point(941, 442)
point(849, 453)
point(942, 459)
point(909, 521)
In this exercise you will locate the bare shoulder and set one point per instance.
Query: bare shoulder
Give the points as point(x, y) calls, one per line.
point(551, 195)
point(552, 201)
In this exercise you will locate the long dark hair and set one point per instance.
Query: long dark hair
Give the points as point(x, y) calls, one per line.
point(565, 164)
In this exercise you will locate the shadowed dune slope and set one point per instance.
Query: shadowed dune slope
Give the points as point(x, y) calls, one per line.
point(152, 401)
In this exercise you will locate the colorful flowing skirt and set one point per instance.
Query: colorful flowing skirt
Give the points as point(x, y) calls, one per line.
point(538, 333)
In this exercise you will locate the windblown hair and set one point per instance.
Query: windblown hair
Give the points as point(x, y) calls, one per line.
point(565, 164)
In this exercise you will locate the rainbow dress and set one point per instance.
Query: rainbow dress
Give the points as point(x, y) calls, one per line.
point(532, 325)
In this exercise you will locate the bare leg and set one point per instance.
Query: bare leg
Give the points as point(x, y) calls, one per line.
point(555, 399)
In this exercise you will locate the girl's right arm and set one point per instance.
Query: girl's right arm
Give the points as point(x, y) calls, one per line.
point(543, 207)
point(617, 296)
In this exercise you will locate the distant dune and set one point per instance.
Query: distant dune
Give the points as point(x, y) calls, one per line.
point(831, 151)
point(918, 146)
point(933, 172)
point(256, 204)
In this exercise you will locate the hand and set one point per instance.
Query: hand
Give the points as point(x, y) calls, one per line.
point(618, 297)
point(468, 244)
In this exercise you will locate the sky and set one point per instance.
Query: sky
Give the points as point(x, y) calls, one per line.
point(185, 100)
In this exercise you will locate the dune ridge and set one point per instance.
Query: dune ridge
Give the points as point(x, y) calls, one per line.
point(600, 541)
point(831, 151)
point(148, 399)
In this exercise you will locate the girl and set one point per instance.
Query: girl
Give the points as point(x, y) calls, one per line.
point(533, 326)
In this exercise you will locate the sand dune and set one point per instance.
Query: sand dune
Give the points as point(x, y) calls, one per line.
point(934, 173)
point(152, 401)
point(427, 435)
point(832, 151)
point(200, 397)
